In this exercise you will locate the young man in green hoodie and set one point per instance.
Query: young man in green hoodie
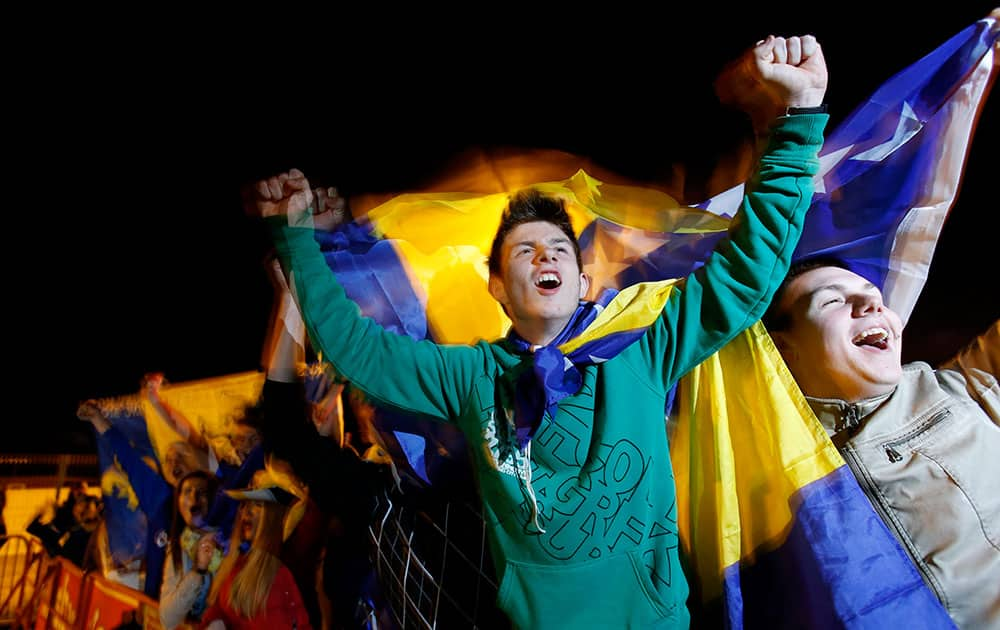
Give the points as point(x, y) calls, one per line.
point(570, 450)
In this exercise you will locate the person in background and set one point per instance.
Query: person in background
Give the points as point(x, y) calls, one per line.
point(193, 554)
point(70, 540)
point(254, 589)
point(300, 415)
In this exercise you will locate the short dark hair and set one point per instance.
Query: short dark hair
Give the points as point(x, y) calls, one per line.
point(527, 206)
point(775, 318)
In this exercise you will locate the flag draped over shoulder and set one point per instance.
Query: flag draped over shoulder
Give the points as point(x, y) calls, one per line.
point(777, 529)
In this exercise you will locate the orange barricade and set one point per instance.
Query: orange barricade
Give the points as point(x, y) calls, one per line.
point(61, 597)
point(109, 604)
point(66, 598)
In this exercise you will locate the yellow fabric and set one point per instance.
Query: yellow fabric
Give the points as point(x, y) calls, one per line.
point(114, 482)
point(745, 442)
point(189, 540)
point(424, 227)
point(209, 404)
point(634, 308)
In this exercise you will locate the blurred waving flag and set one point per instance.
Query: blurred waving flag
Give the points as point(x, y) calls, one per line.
point(124, 519)
point(778, 532)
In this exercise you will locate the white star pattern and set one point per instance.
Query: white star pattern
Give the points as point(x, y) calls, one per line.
point(907, 127)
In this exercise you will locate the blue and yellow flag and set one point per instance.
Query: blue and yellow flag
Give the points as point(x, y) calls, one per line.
point(124, 519)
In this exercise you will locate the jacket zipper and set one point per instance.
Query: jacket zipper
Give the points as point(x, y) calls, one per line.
point(852, 419)
point(890, 447)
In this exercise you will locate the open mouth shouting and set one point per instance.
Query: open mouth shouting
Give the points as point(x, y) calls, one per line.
point(548, 282)
point(874, 337)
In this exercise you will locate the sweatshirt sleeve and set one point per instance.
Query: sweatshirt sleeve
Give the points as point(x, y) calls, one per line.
point(734, 287)
point(178, 594)
point(415, 376)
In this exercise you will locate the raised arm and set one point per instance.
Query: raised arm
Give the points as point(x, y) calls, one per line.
point(732, 290)
point(419, 377)
point(151, 386)
point(982, 353)
point(979, 363)
point(284, 351)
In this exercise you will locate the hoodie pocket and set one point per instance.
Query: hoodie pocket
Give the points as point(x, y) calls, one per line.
point(615, 592)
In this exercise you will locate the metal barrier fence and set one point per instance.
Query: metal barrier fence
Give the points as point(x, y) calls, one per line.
point(433, 563)
point(22, 560)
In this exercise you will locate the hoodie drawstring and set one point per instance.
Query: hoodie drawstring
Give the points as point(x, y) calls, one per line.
point(534, 526)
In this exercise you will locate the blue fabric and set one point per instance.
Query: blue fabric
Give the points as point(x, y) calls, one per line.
point(126, 524)
point(373, 276)
point(815, 581)
point(892, 143)
point(554, 376)
point(156, 500)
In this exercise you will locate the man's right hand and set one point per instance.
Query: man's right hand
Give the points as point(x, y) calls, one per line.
point(776, 73)
point(285, 194)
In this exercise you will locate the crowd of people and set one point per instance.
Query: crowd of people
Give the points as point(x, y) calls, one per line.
point(213, 544)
